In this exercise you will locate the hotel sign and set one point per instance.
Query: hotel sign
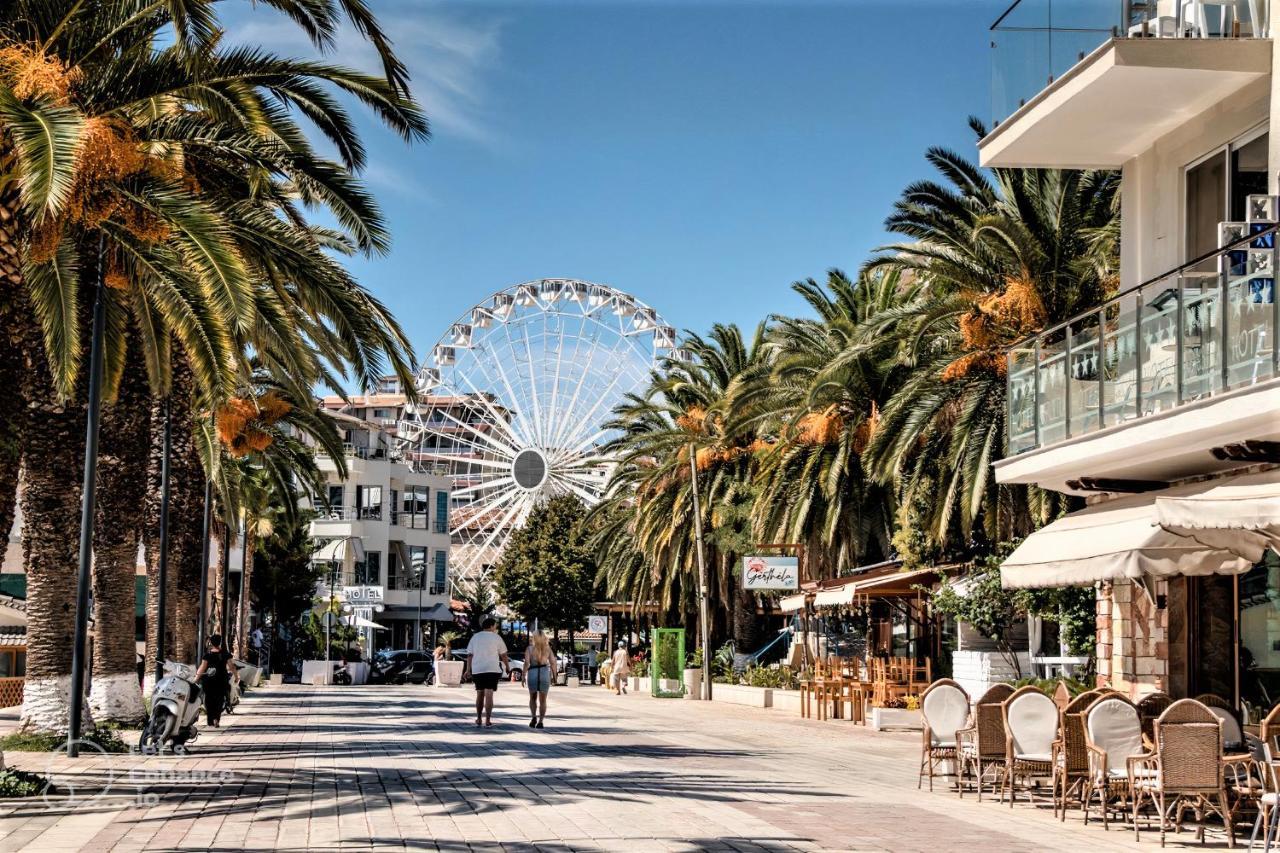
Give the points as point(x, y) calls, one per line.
point(770, 573)
point(362, 595)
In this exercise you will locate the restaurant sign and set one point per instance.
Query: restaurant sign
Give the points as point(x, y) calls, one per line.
point(771, 572)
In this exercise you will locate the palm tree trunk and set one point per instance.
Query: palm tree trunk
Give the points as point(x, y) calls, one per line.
point(115, 693)
point(12, 416)
point(241, 647)
point(218, 550)
point(53, 465)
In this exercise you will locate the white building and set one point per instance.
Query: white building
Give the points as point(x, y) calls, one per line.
point(385, 527)
point(1154, 404)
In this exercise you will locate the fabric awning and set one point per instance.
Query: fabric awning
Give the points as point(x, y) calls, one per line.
point(1238, 514)
point(1113, 540)
point(438, 613)
point(836, 596)
point(792, 603)
point(361, 622)
point(896, 583)
point(338, 550)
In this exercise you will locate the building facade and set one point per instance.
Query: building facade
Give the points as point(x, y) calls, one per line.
point(383, 529)
point(1161, 406)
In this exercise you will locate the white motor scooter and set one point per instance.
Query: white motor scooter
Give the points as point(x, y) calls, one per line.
point(175, 706)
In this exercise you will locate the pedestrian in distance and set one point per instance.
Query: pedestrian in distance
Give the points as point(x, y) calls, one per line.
point(539, 672)
point(620, 668)
point(214, 675)
point(487, 662)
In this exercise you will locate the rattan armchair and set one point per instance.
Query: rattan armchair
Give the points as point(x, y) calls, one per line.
point(1150, 707)
point(1031, 727)
point(1113, 733)
point(944, 708)
point(1186, 769)
point(1232, 732)
point(1070, 752)
point(981, 746)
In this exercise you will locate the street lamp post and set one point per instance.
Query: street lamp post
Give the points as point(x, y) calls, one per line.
point(702, 577)
point(88, 496)
point(226, 578)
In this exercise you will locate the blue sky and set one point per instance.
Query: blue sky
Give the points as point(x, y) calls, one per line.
point(699, 155)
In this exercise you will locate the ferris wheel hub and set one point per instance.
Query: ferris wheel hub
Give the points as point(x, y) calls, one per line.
point(529, 469)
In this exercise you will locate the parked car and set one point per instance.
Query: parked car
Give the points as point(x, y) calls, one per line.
point(394, 667)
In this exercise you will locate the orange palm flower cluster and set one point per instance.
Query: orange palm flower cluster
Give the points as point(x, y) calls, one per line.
point(244, 422)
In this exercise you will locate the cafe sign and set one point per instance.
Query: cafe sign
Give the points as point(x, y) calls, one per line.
point(770, 573)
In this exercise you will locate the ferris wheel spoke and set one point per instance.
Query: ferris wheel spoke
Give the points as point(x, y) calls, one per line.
point(478, 433)
point(500, 422)
point(506, 521)
point(586, 496)
point(454, 458)
point(555, 384)
point(537, 393)
point(484, 486)
point(477, 510)
point(518, 412)
point(572, 454)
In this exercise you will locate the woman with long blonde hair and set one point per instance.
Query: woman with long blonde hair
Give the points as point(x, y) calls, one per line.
point(539, 671)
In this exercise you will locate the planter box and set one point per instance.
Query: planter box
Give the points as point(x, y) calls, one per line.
point(635, 683)
point(736, 694)
point(693, 683)
point(669, 685)
point(574, 681)
point(448, 673)
point(895, 718)
point(787, 701)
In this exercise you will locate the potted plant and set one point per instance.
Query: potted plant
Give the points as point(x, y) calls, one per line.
point(900, 712)
point(693, 675)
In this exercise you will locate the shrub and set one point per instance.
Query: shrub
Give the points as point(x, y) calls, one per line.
point(105, 737)
point(21, 783)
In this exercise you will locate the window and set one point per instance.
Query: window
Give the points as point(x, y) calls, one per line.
point(441, 579)
point(369, 573)
point(414, 510)
point(369, 502)
point(442, 512)
point(1217, 189)
point(335, 499)
point(394, 580)
point(418, 563)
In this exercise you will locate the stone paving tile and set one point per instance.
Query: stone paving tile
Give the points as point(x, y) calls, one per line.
point(403, 768)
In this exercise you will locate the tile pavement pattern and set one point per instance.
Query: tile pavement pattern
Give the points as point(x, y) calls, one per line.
point(405, 768)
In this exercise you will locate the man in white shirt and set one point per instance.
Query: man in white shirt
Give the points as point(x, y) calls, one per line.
point(487, 662)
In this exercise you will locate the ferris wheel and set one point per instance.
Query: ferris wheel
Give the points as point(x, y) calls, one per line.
point(513, 402)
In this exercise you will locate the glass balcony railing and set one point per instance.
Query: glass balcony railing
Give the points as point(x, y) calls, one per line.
point(1204, 329)
point(1034, 42)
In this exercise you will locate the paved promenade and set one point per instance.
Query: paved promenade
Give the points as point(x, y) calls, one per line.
point(396, 768)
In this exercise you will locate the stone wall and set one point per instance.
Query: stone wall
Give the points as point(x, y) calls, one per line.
point(1133, 647)
point(976, 671)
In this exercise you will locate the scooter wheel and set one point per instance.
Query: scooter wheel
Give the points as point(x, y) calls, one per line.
point(157, 732)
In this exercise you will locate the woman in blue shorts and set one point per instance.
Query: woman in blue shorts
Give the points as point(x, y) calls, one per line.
point(539, 670)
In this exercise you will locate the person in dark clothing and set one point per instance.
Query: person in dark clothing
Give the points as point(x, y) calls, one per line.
point(214, 674)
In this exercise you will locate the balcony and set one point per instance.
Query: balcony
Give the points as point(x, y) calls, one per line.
point(1093, 83)
point(1200, 336)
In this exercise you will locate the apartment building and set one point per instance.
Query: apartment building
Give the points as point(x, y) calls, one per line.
point(1162, 405)
point(384, 528)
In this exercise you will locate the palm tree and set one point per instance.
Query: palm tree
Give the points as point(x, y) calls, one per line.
point(644, 528)
point(997, 257)
point(106, 133)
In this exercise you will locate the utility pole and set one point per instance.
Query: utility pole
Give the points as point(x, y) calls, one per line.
point(223, 622)
point(162, 569)
point(88, 497)
point(702, 578)
point(203, 628)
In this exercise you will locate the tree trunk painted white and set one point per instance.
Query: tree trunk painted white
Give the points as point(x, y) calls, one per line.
point(116, 697)
point(45, 706)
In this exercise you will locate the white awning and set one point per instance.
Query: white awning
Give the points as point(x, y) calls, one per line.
point(792, 603)
point(1238, 514)
point(1113, 540)
point(338, 550)
point(836, 596)
point(361, 622)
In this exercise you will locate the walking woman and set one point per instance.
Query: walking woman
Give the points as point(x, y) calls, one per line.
point(539, 670)
point(214, 675)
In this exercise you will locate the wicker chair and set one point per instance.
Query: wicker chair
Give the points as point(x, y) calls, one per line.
point(1150, 707)
point(1113, 733)
point(1070, 753)
point(1031, 727)
point(1232, 733)
point(1062, 695)
point(944, 707)
point(1270, 727)
point(982, 746)
point(1269, 801)
point(1186, 769)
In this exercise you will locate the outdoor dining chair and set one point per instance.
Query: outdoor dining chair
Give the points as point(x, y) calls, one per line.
point(1232, 733)
point(1113, 733)
point(1185, 770)
point(1070, 752)
point(944, 706)
point(1268, 802)
point(1031, 727)
point(982, 745)
point(1150, 707)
